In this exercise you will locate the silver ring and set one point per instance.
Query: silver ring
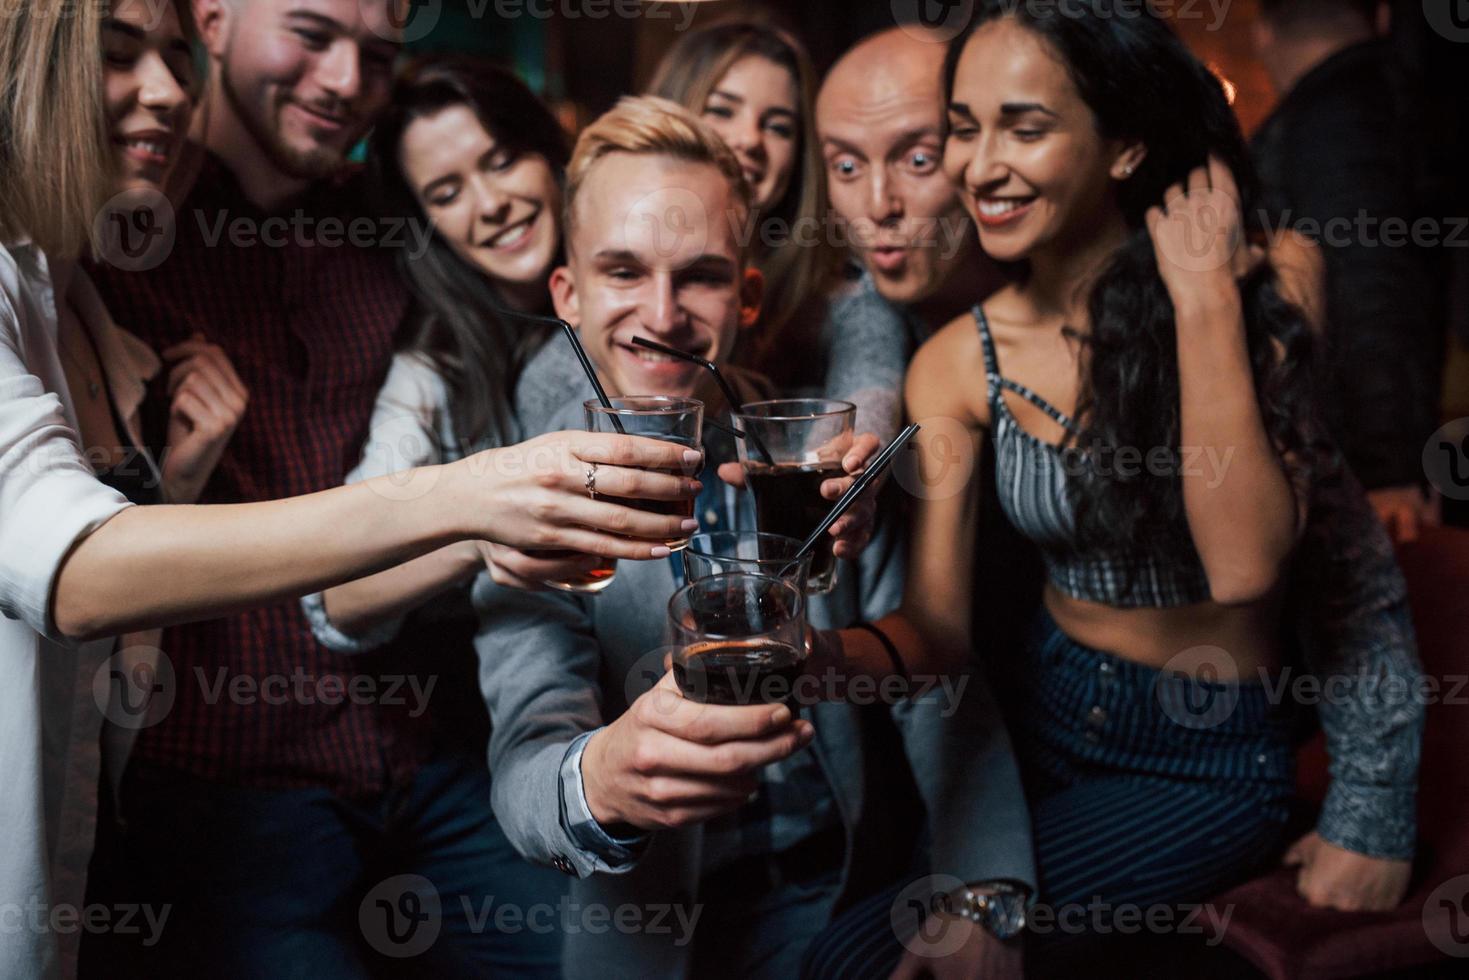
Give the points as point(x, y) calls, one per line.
point(591, 480)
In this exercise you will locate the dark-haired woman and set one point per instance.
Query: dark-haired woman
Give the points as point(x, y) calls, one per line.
point(468, 149)
point(1146, 385)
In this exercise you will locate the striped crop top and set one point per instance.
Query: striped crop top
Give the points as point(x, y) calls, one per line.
point(1031, 478)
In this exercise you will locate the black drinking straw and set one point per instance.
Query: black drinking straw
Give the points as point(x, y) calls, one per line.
point(586, 365)
point(724, 386)
point(884, 459)
point(581, 354)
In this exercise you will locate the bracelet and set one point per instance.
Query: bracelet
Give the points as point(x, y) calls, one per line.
point(900, 668)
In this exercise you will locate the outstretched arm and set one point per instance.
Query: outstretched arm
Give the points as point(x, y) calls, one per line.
point(931, 632)
point(210, 561)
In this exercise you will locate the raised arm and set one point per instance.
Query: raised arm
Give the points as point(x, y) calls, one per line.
point(208, 561)
point(1245, 524)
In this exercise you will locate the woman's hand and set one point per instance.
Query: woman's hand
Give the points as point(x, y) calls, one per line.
point(1406, 510)
point(537, 496)
point(1335, 878)
point(853, 530)
point(529, 572)
point(208, 400)
point(1197, 236)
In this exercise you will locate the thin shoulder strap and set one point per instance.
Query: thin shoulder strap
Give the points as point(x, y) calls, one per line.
point(996, 380)
point(991, 365)
point(1061, 417)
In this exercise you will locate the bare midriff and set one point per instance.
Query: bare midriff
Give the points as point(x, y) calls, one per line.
point(1154, 636)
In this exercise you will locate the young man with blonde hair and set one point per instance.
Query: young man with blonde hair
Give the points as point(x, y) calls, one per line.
point(710, 840)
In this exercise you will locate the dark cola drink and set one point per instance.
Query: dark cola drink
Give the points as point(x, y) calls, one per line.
point(754, 671)
point(788, 501)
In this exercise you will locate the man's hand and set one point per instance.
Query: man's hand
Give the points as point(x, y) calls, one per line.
point(1335, 878)
point(982, 957)
point(668, 761)
point(853, 530)
point(1406, 510)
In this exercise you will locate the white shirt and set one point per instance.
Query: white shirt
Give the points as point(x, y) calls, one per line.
point(50, 722)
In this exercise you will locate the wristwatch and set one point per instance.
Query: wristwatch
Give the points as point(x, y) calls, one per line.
point(999, 906)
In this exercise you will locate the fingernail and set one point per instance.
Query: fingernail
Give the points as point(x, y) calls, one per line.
point(661, 551)
point(695, 486)
point(692, 456)
point(690, 525)
point(805, 731)
point(780, 715)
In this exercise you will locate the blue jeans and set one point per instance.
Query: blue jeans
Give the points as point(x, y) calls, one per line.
point(300, 883)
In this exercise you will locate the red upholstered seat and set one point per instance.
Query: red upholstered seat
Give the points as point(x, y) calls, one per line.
point(1273, 928)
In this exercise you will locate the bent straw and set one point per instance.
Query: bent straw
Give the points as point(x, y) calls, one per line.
point(586, 365)
point(724, 386)
point(581, 353)
point(884, 459)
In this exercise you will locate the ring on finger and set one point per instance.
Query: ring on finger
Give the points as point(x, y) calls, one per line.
point(591, 480)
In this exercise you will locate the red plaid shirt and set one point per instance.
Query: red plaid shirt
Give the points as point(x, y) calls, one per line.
point(309, 323)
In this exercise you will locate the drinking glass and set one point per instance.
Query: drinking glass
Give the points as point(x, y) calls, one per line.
point(738, 638)
point(792, 446)
point(716, 552)
point(677, 420)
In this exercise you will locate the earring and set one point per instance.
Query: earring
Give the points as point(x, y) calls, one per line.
point(1127, 170)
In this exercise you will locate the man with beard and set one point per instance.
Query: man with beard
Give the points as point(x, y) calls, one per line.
point(287, 782)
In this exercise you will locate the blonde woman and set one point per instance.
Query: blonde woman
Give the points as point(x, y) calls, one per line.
point(78, 564)
point(823, 328)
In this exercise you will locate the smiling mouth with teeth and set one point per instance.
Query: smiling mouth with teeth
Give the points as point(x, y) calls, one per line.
point(998, 211)
point(652, 356)
point(509, 237)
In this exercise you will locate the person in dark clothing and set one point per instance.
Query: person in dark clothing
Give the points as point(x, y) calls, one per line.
point(1336, 165)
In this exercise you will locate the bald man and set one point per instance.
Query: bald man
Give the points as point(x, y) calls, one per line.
point(880, 119)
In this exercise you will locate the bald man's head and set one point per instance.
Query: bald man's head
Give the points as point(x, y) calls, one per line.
point(880, 118)
point(893, 61)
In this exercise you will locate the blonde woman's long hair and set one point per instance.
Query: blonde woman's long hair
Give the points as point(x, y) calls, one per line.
point(56, 161)
point(798, 275)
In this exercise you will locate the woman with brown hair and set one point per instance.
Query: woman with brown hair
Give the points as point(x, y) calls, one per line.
point(822, 328)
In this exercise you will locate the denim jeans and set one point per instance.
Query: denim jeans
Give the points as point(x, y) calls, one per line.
point(299, 883)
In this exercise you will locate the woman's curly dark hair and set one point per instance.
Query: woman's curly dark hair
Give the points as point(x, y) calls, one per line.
point(1143, 84)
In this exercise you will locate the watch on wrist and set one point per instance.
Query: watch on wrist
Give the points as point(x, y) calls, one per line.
point(1000, 907)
